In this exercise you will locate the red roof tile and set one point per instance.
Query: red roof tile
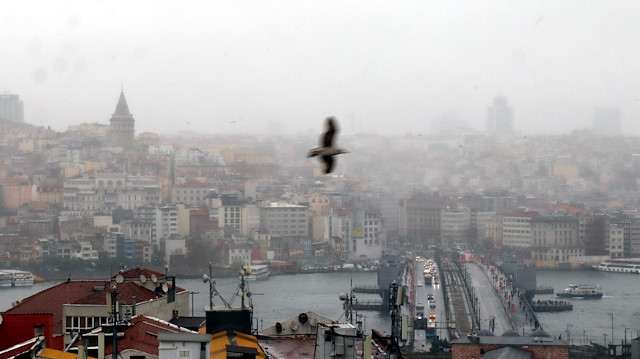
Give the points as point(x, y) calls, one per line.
point(143, 335)
point(134, 273)
point(51, 300)
point(126, 292)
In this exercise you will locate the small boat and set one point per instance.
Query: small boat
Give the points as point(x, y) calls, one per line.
point(259, 272)
point(586, 291)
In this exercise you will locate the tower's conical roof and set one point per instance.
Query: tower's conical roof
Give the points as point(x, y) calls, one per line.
point(122, 109)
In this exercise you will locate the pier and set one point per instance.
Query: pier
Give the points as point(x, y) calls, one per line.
point(368, 305)
point(551, 305)
point(366, 289)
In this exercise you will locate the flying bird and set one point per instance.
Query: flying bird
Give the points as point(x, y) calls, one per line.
point(326, 151)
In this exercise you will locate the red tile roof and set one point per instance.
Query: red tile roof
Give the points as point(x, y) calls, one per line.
point(134, 273)
point(51, 300)
point(126, 292)
point(142, 335)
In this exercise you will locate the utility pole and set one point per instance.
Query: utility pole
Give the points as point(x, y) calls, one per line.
point(611, 314)
point(114, 313)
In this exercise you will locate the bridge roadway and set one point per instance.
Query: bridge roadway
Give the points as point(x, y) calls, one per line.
point(489, 301)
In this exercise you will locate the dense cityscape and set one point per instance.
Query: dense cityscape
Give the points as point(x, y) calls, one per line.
point(100, 201)
point(98, 191)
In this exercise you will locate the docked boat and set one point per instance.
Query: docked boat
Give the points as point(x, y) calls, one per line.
point(18, 278)
point(585, 291)
point(622, 265)
point(259, 272)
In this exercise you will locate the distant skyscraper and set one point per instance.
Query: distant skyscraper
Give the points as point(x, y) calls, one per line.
point(11, 108)
point(122, 124)
point(606, 121)
point(500, 116)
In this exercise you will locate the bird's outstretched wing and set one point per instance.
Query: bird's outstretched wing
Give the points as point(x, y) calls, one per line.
point(327, 141)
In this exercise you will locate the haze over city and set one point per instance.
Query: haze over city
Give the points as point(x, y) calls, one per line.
point(395, 68)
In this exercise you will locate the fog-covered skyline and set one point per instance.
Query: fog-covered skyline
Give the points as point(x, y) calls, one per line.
point(378, 66)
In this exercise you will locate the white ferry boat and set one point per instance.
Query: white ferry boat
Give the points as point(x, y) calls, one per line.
point(259, 272)
point(581, 291)
point(621, 265)
point(18, 278)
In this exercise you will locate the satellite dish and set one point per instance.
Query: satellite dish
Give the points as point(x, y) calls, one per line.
point(205, 278)
point(119, 278)
point(165, 287)
point(0, 320)
point(278, 327)
point(303, 318)
point(154, 278)
point(293, 325)
point(249, 294)
point(313, 322)
point(143, 278)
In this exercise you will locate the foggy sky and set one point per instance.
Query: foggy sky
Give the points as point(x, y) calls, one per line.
point(386, 67)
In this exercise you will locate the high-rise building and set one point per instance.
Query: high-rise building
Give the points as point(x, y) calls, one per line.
point(11, 108)
point(606, 121)
point(122, 124)
point(500, 116)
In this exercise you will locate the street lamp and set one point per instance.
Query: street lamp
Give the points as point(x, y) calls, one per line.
point(611, 314)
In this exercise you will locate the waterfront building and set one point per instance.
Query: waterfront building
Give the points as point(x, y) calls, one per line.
point(555, 241)
point(631, 234)
point(121, 130)
point(516, 229)
point(615, 245)
point(593, 232)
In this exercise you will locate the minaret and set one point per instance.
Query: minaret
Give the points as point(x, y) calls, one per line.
point(122, 124)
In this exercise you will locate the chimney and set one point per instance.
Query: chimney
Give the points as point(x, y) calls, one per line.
point(133, 306)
